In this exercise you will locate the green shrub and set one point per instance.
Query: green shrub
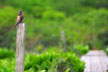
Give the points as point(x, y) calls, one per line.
point(55, 62)
point(81, 49)
point(53, 49)
point(7, 20)
point(5, 53)
point(103, 38)
point(7, 65)
point(53, 15)
point(106, 50)
point(97, 4)
point(7, 17)
point(45, 62)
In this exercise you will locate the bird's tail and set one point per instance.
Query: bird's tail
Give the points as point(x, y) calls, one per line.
point(16, 25)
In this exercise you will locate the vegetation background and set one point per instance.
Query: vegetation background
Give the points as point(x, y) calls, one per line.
point(83, 21)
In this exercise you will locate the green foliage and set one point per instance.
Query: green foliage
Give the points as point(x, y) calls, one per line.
point(67, 70)
point(45, 62)
point(53, 15)
point(103, 38)
point(81, 49)
point(68, 6)
point(56, 62)
point(106, 50)
point(7, 19)
point(83, 21)
point(94, 22)
point(46, 19)
point(54, 50)
point(5, 53)
point(95, 3)
point(7, 61)
point(7, 65)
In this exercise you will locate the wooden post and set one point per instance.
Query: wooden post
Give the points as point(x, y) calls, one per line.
point(107, 68)
point(20, 48)
point(64, 41)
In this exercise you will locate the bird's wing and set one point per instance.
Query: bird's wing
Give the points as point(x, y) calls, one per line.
point(18, 19)
point(23, 16)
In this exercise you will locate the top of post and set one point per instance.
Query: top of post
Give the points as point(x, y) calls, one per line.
point(21, 25)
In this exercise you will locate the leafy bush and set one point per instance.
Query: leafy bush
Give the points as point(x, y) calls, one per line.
point(54, 50)
point(94, 22)
point(106, 50)
point(103, 38)
point(55, 62)
point(53, 15)
point(7, 65)
point(5, 53)
point(81, 49)
point(97, 4)
point(7, 18)
point(45, 62)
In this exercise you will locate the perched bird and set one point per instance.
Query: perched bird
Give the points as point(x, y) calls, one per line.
point(20, 18)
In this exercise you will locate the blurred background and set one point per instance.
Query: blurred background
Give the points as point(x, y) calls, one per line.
point(85, 23)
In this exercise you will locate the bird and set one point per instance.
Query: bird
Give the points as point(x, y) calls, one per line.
point(20, 18)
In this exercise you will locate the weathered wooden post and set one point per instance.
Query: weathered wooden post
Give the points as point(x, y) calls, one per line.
point(20, 47)
point(64, 41)
point(107, 68)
